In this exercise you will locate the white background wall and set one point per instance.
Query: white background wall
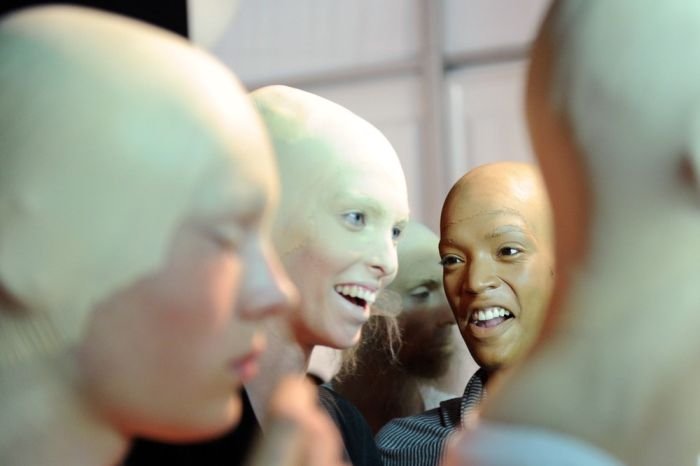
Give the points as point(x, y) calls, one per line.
point(443, 79)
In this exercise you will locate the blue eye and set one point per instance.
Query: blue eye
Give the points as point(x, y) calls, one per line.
point(355, 219)
point(450, 260)
point(396, 233)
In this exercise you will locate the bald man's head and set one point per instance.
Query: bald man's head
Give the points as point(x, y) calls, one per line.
point(496, 247)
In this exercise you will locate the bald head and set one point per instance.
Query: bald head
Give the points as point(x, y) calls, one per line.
point(506, 186)
point(112, 133)
point(344, 203)
point(496, 247)
point(319, 143)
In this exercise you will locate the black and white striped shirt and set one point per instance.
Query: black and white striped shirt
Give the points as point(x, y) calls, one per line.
point(420, 440)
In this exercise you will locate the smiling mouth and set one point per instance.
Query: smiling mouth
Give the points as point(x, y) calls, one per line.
point(357, 295)
point(490, 316)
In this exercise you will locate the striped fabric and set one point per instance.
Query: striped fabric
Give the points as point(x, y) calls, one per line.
point(420, 440)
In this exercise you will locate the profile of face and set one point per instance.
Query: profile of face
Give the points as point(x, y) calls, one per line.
point(343, 207)
point(155, 289)
point(425, 319)
point(497, 254)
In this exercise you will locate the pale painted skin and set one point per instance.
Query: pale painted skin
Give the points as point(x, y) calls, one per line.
point(141, 258)
point(619, 153)
point(425, 319)
point(496, 249)
point(343, 205)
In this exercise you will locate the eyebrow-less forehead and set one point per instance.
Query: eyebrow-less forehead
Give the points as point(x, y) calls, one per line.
point(481, 213)
point(373, 205)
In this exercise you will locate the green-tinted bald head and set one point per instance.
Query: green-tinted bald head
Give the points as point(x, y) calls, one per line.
point(112, 132)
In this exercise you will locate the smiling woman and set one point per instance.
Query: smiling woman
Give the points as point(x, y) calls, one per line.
point(383, 380)
point(343, 207)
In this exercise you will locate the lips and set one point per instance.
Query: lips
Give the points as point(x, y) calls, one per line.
point(246, 367)
point(359, 295)
point(489, 320)
point(490, 316)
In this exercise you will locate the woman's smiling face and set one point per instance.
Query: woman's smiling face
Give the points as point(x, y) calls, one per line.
point(347, 253)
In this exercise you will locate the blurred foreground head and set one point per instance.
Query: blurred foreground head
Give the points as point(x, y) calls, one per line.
point(614, 112)
point(136, 183)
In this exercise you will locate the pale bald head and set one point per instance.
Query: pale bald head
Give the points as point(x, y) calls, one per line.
point(344, 203)
point(319, 143)
point(111, 131)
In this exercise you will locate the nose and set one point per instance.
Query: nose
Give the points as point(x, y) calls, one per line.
point(382, 259)
point(480, 276)
point(266, 289)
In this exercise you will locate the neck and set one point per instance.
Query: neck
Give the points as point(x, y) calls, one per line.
point(46, 420)
point(283, 357)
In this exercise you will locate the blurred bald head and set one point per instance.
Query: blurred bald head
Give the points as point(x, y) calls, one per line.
point(111, 129)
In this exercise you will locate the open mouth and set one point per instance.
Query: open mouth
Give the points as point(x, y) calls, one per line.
point(357, 295)
point(490, 316)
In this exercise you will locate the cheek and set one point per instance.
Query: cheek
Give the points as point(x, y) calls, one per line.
point(452, 286)
point(534, 287)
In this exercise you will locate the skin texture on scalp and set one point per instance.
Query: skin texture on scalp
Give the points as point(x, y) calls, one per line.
point(497, 250)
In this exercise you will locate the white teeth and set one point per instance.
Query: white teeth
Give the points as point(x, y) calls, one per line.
point(355, 291)
point(490, 313)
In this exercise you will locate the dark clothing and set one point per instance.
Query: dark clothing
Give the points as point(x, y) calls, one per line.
point(233, 448)
point(357, 436)
point(230, 449)
point(420, 440)
point(171, 15)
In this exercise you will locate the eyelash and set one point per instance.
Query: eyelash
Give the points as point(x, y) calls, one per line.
point(517, 252)
point(359, 219)
point(355, 219)
point(450, 260)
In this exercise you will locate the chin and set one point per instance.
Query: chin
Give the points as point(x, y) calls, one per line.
point(342, 340)
point(201, 424)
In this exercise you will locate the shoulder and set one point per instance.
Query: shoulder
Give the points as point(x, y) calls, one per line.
point(419, 439)
point(356, 433)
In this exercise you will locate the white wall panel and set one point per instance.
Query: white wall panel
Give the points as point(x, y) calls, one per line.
point(486, 117)
point(482, 25)
point(276, 39)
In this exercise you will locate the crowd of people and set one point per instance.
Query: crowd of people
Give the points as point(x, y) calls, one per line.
point(174, 247)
